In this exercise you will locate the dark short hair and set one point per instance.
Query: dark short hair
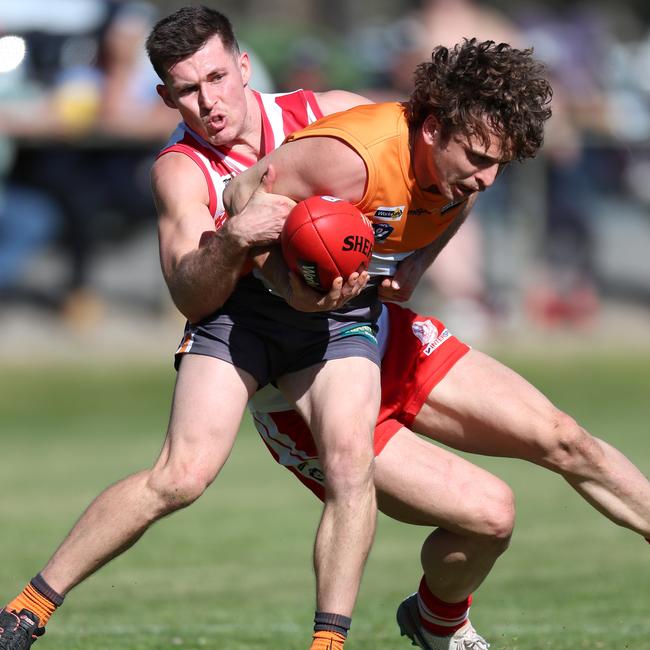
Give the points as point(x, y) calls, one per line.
point(185, 32)
point(479, 86)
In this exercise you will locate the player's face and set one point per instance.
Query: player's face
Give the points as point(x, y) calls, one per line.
point(208, 88)
point(457, 165)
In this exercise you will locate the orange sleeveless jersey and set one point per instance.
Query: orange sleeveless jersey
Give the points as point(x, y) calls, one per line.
point(404, 217)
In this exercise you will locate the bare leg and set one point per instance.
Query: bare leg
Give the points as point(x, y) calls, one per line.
point(483, 407)
point(422, 484)
point(339, 400)
point(209, 400)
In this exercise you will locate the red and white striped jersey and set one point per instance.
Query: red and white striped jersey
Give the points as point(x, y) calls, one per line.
point(282, 114)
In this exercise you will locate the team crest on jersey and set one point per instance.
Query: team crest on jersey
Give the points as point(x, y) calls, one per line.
point(428, 334)
point(392, 213)
point(382, 231)
point(226, 179)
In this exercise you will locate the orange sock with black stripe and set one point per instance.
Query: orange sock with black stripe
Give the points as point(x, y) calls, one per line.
point(330, 631)
point(326, 640)
point(37, 597)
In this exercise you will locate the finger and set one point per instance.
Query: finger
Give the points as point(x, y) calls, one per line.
point(337, 285)
point(352, 278)
point(363, 279)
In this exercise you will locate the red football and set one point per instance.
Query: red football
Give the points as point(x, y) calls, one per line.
point(324, 238)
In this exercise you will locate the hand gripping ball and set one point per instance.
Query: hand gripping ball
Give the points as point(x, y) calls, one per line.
point(323, 238)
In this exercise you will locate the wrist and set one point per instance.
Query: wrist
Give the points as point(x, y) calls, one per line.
point(234, 236)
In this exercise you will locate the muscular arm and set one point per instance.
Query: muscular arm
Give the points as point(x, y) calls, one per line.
point(309, 166)
point(201, 265)
point(304, 168)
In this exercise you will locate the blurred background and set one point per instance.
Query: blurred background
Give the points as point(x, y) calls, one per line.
point(559, 247)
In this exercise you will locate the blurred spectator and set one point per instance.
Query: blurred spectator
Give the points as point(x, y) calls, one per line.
point(306, 66)
point(86, 135)
point(574, 42)
point(29, 221)
point(90, 137)
point(29, 218)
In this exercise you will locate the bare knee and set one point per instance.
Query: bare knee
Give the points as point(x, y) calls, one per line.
point(349, 470)
point(177, 486)
point(497, 516)
point(570, 448)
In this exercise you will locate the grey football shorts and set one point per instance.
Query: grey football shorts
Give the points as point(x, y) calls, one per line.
point(269, 349)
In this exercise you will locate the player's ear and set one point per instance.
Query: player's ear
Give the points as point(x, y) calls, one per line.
point(430, 129)
point(245, 67)
point(161, 89)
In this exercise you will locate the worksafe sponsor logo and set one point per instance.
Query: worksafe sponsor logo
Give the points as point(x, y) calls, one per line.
point(389, 213)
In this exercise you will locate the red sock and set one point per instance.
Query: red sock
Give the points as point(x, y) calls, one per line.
point(437, 616)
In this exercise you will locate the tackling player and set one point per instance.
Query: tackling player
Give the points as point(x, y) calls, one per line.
point(227, 126)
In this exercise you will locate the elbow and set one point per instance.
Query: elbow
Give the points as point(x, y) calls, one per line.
point(193, 305)
point(197, 308)
point(189, 311)
point(194, 315)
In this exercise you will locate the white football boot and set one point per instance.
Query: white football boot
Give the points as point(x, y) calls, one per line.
point(408, 619)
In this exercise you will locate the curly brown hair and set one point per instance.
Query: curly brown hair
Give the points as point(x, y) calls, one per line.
point(478, 87)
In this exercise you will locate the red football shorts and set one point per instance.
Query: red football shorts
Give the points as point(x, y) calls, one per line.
point(420, 352)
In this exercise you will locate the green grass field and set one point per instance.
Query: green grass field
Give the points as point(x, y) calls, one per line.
point(234, 570)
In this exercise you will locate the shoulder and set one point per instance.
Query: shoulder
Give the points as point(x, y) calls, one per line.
point(334, 101)
point(173, 163)
point(175, 174)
